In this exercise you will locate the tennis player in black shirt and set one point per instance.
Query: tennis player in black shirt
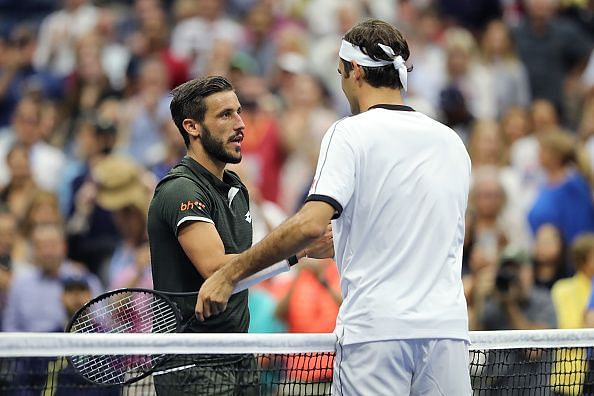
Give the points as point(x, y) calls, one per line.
point(198, 220)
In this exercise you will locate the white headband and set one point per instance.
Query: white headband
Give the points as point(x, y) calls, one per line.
point(351, 52)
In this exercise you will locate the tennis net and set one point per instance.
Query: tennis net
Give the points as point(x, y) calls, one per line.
point(546, 362)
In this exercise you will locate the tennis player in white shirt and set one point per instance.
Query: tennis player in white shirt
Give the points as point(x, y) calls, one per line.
point(395, 183)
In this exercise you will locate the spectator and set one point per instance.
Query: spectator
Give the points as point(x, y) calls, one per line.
point(46, 161)
point(115, 56)
point(311, 306)
point(59, 33)
point(137, 273)
point(515, 124)
point(517, 304)
point(92, 235)
point(263, 151)
point(143, 139)
point(34, 374)
point(571, 297)
point(485, 230)
point(174, 147)
point(549, 46)
point(87, 86)
point(550, 261)
point(195, 38)
point(499, 57)
point(76, 292)
point(19, 77)
point(42, 282)
point(428, 58)
point(8, 229)
point(151, 41)
point(303, 123)
point(41, 208)
point(121, 190)
point(487, 149)
point(524, 152)
point(312, 301)
point(257, 41)
point(468, 83)
point(589, 322)
point(322, 52)
point(21, 187)
point(566, 200)
point(472, 15)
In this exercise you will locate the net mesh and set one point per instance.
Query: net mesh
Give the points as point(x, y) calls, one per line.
point(501, 363)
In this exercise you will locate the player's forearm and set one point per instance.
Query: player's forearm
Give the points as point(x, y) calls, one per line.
point(288, 239)
point(207, 268)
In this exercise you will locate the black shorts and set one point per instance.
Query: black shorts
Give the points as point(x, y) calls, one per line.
point(227, 376)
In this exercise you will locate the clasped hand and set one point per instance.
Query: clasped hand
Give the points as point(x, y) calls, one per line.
point(217, 289)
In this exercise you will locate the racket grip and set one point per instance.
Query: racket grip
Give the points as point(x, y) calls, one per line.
point(266, 273)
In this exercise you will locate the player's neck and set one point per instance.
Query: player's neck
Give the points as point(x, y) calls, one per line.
point(213, 166)
point(370, 96)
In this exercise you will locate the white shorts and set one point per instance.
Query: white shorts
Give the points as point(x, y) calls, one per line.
point(402, 367)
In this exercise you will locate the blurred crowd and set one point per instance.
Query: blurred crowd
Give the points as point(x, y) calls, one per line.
point(85, 134)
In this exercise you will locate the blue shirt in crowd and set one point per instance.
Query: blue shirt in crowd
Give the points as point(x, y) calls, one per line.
point(35, 299)
point(567, 205)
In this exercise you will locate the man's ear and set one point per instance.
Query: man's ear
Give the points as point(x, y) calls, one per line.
point(358, 71)
point(192, 127)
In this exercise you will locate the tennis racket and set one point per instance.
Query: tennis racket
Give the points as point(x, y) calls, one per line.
point(136, 310)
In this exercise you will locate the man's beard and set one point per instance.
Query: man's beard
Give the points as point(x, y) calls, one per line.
point(215, 148)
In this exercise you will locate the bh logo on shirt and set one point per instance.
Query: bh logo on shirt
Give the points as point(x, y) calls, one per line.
point(190, 205)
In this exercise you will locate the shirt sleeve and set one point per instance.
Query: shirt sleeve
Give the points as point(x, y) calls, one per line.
point(334, 181)
point(184, 201)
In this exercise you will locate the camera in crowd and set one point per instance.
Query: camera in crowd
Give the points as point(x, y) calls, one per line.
point(509, 268)
point(506, 277)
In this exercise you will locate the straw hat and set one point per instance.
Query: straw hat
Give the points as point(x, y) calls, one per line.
point(119, 184)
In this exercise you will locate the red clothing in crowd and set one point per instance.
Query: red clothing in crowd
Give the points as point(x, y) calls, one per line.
point(262, 152)
point(312, 309)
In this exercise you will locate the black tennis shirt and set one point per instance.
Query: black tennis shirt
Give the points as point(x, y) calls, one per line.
point(189, 192)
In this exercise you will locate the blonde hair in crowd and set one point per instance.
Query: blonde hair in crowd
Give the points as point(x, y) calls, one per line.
point(565, 146)
point(581, 249)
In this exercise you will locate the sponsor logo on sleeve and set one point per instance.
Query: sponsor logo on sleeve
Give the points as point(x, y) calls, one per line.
point(190, 205)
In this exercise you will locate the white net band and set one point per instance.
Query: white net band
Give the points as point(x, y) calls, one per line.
point(57, 344)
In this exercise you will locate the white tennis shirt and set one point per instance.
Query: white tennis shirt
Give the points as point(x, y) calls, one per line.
point(399, 183)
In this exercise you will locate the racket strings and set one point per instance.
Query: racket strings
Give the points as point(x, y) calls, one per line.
point(125, 312)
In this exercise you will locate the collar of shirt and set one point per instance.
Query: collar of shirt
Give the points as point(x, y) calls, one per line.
point(229, 180)
point(391, 107)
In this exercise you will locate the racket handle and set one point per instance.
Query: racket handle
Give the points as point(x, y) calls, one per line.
point(259, 276)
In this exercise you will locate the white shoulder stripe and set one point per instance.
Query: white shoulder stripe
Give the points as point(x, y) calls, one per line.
point(232, 193)
point(195, 218)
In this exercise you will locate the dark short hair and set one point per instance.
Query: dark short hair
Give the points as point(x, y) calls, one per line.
point(367, 35)
point(76, 282)
point(188, 100)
